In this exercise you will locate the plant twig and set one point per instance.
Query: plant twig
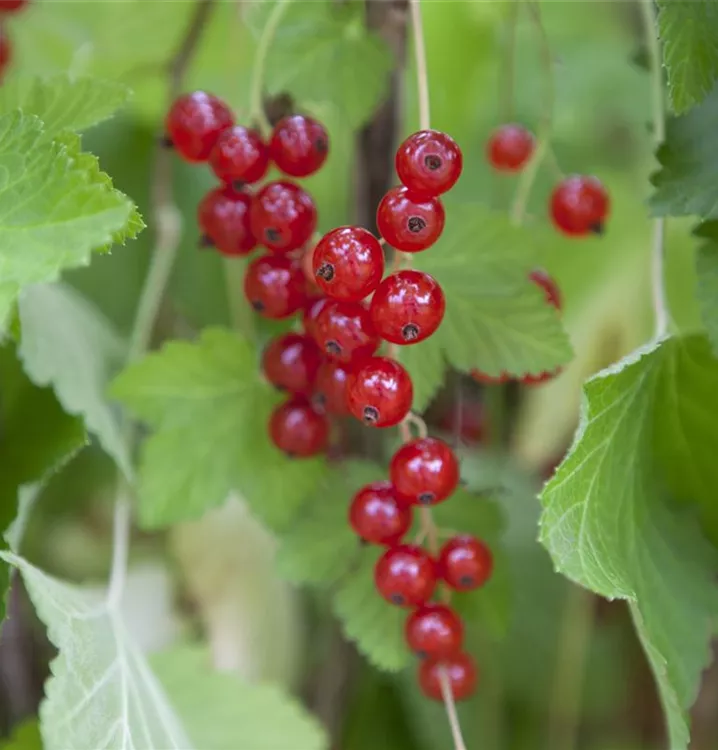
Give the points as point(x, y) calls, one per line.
point(168, 226)
point(660, 305)
point(422, 75)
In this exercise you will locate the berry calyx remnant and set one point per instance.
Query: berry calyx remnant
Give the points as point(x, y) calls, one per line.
point(344, 331)
point(407, 307)
point(465, 563)
point(297, 429)
point(434, 631)
point(299, 145)
point(348, 263)
point(424, 471)
point(510, 147)
point(429, 162)
point(283, 216)
point(410, 222)
point(274, 286)
point(330, 388)
point(291, 363)
point(379, 392)
point(223, 218)
point(239, 156)
point(580, 205)
point(377, 516)
point(194, 123)
point(405, 575)
point(460, 672)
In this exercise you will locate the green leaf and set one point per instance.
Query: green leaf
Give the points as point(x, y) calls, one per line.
point(608, 522)
point(317, 548)
point(496, 319)
point(55, 207)
point(63, 103)
point(102, 693)
point(25, 737)
point(221, 712)
point(323, 54)
point(689, 32)
point(210, 408)
point(707, 280)
point(67, 344)
point(685, 183)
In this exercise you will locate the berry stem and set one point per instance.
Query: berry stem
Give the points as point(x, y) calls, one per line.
point(451, 710)
point(422, 76)
point(168, 227)
point(660, 304)
point(256, 102)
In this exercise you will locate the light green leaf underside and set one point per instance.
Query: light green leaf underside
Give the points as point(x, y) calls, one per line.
point(645, 436)
point(210, 409)
point(66, 343)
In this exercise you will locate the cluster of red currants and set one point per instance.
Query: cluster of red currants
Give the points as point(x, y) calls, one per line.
point(7, 7)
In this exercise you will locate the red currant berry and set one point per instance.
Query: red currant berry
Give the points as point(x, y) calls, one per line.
point(10, 6)
point(542, 377)
point(223, 217)
point(424, 471)
point(484, 379)
point(283, 216)
point(195, 122)
point(274, 286)
point(239, 156)
point(429, 162)
point(297, 429)
point(407, 307)
point(312, 309)
point(579, 205)
point(299, 145)
point(405, 575)
point(549, 286)
point(509, 148)
point(460, 672)
point(434, 631)
point(377, 516)
point(409, 222)
point(291, 362)
point(330, 388)
point(348, 263)
point(345, 332)
point(465, 563)
point(5, 51)
point(380, 392)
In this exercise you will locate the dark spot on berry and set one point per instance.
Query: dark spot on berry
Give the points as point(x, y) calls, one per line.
point(426, 498)
point(370, 415)
point(289, 454)
point(597, 228)
point(432, 162)
point(333, 348)
point(326, 271)
point(466, 580)
point(166, 141)
point(272, 235)
point(410, 332)
point(363, 542)
point(321, 145)
point(257, 305)
point(205, 242)
point(416, 224)
point(319, 401)
point(238, 185)
point(421, 654)
point(397, 599)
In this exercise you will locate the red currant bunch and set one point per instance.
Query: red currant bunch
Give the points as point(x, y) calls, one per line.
point(7, 7)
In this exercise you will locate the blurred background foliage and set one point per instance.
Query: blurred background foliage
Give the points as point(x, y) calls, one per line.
point(569, 665)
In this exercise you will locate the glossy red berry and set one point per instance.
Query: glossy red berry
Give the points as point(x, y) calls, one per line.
point(424, 471)
point(510, 147)
point(239, 156)
point(380, 392)
point(10, 6)
point(274, 286)
point(407, 307)
point(345, 332)
point(409, 222)
point(460, 672)
point(429, 162)
point(5, 51)
point(312, 308)
point(580, 205)
point(297, 429)
point(291, 362)
point(484, 379)
point(377, 516)
point(405, 575)
point(348, 263)
point(195, 122)
point(283, 216)
point(299, 145)
point(465, 563)
point(434, 631)
point(549, 286)
point(330, 388)
point(223, 217)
